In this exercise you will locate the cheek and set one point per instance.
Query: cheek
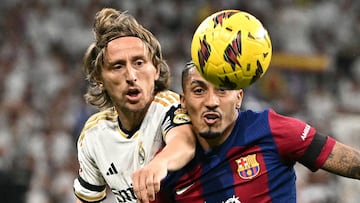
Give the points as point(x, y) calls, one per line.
point(106, 83)
point(147, 82)
point(194, 113)
point(113, 82)
point(148, 76)
point(229, 112)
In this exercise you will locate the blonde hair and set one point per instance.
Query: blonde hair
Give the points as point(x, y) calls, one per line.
point(110, 24)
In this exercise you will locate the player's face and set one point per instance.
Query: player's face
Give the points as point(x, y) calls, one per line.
point(213, 110)
point(129, 74)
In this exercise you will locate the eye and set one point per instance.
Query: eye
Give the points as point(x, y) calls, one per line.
point(117, 66)
point(199, 90)
point(221, 90)
point(139, 63)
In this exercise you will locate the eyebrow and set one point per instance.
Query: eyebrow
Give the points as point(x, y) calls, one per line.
point(198, 82)
point(133, 58)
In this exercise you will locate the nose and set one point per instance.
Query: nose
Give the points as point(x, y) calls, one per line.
point(212, 101)
point(130, 74)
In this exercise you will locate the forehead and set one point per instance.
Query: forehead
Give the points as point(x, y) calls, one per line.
point(194, 77)
point(194, 74)
point(126, 45)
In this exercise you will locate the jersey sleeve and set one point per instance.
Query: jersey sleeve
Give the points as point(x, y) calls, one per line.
point(175, 116)
point(90, 185)
point(318, 151)
point(298, 141)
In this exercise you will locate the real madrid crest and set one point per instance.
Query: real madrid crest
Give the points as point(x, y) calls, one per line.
point(141, 153)
point(181, 117)
point(248, 167)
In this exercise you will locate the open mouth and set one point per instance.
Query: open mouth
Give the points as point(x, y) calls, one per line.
point(211, 117)
point(133, 92)
point(133, 95)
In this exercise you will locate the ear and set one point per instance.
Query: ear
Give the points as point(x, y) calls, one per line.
point(182, 102)
point(239, 98)
point(99, 83)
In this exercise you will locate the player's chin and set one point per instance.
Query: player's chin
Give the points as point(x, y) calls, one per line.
point(136, 107)
point(210, 134)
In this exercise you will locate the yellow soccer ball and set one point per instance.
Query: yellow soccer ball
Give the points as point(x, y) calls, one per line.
point(231, 49)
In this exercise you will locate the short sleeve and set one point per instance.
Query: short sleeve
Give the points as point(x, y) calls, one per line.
point(90, 186)
point(175, 116)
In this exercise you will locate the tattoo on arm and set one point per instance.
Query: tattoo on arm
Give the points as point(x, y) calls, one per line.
point(344, 161)
point(354, 170)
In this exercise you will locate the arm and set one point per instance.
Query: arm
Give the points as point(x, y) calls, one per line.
point(343, 161)
point(179, 150)
point(89, 186)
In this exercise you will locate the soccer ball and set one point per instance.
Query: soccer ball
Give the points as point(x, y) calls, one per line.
point(231, 49)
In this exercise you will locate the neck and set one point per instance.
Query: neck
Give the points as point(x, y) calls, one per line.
point(131, 120)
point(209, 143)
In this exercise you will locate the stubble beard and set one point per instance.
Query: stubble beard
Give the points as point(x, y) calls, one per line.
point(210, 134)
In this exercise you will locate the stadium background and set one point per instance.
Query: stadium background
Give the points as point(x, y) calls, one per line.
point(314, 75)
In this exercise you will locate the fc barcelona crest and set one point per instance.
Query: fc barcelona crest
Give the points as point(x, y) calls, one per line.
point(248, 167)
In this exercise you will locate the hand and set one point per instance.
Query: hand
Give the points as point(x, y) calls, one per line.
point(146, 181)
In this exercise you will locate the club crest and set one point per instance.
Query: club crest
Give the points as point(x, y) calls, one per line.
point(248, 167)
point(141, 154)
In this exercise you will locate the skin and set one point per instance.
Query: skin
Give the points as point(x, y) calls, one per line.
point(180, 143)
point(129, 79)
point(213, 111)
point(200, 98)
point(343, 161)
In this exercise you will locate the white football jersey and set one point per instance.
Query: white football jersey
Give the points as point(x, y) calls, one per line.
point(108, 155)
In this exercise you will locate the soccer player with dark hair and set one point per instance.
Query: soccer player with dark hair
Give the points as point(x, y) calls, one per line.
point(246, 156)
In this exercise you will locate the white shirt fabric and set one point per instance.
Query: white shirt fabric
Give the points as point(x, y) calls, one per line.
point(107, 156)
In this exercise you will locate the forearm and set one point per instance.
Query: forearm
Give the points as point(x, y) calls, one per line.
point(179, 149)
point(344, 161)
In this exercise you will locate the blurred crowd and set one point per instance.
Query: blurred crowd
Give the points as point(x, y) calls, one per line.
point(42, 109)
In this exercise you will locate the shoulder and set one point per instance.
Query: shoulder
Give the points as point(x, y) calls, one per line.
point(251, 115)
point(108, 114)
point(276, 122)
point(268, 114)
point(167, 98)
point(97, 120)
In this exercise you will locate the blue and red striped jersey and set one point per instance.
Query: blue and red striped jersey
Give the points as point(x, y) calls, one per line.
point(255, 163)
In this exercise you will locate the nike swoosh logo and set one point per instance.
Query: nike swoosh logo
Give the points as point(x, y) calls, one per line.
point(182, 190)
